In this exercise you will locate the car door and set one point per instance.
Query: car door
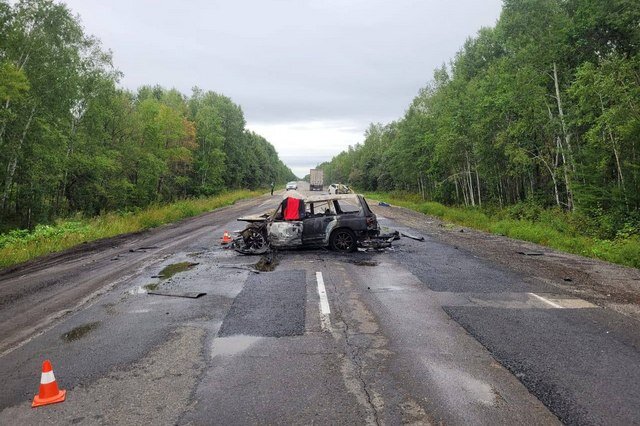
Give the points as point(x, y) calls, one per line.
point(285, 233)
point(319, 216)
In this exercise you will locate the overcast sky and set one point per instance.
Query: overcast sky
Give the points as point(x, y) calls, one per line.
point(310, 75)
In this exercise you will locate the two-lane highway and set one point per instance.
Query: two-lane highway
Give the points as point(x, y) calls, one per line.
point(424, 333)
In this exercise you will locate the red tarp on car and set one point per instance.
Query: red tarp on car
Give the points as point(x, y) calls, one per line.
point(293, 208)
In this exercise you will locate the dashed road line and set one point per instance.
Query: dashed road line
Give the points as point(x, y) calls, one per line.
point(325, 311)
point(548, 302)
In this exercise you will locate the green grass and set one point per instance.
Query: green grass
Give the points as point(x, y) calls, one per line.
point(21, 245)
point(552, 228)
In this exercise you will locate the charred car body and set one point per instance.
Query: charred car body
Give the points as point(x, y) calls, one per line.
point(340, 222)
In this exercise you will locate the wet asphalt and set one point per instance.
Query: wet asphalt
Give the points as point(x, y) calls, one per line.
point(423, 333)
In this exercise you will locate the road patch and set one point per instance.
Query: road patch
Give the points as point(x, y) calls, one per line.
point(270, 305)
point(583, 364)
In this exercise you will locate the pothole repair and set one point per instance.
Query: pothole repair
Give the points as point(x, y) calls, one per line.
point(79, 332)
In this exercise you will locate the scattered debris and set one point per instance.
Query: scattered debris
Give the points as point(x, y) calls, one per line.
point(187, 294)
point(241, 267)
point(267, 263)
point(383, 204)
point(413, 237)
point(395, 235)
point(143, 249)
point(171, 270)
point(377, 243)
point(530, 253)
point(79, 331)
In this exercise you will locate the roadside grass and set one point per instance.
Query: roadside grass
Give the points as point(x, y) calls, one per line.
point(21, 245)
point(551, 228)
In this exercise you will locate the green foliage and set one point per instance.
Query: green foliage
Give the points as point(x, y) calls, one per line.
point(21, 245)
point(539, 115)
point(71, 141)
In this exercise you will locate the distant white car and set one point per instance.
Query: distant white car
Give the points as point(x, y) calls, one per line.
point(292, 185)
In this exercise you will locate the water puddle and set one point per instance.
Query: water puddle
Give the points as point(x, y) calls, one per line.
point(226, 346)
point(267, 263)
point(171, 270)
point(79, 332)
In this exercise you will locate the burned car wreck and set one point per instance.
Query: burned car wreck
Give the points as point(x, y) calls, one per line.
point(340, 222)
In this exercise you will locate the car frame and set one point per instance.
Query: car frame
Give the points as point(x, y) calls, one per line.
point(325, 223)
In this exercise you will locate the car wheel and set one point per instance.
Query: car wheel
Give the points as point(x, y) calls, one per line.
point(343, 240)
point(255, 241)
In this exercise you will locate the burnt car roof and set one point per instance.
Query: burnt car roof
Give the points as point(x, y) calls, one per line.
point(329, 197)
point(309, 199)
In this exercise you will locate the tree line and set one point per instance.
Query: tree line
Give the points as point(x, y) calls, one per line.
point(543, 108)
point(72, 141)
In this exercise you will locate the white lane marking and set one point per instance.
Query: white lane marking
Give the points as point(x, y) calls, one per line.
point(549, 302)
point(325, 311)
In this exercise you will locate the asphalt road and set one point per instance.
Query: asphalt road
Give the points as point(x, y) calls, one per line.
point(428, 332)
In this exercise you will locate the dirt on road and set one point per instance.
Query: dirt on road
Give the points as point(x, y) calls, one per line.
point(35, 294)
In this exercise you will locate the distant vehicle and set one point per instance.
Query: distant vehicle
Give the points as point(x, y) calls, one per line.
point(338, 188)
point(316, 180)
point(292, 185)
point(340, 222)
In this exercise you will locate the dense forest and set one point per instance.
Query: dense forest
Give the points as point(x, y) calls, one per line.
point(543, 110)
point(73, 141)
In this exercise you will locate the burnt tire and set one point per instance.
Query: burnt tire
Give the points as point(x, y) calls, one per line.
point(253, 240)
point(343, 241)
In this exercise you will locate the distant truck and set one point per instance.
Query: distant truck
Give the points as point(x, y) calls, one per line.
point(315, 180)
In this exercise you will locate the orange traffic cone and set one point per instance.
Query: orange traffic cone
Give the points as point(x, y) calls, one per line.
point(49, 392)
point(226, 238)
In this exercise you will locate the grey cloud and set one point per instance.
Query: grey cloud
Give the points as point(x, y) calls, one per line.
point(289, 60)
